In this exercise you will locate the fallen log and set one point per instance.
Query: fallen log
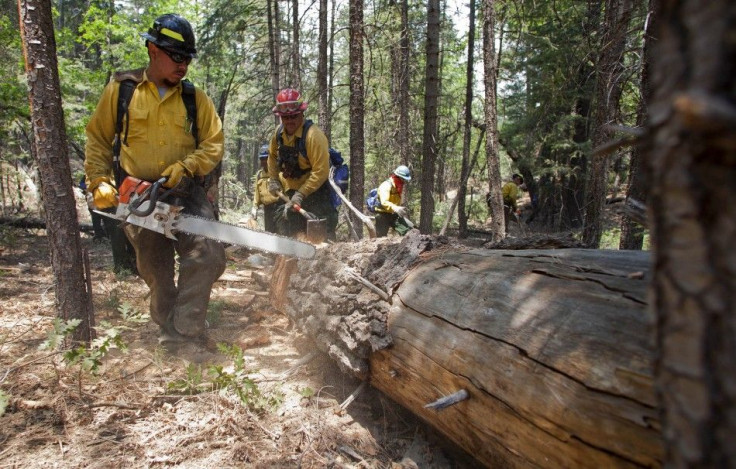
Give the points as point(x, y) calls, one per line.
point(525, 358)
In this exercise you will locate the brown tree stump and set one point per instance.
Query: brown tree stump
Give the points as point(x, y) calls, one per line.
point(553, 348)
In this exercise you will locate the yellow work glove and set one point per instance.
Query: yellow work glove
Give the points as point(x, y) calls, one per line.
point(175, 173)
point(104, 194)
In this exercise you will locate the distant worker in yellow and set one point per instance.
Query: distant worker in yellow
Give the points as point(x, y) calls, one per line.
point(511, 191)
point(389, 214)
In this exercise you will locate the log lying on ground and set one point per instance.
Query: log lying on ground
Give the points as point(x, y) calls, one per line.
point(553, 348)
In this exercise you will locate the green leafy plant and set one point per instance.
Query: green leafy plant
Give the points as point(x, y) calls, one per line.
point(4, 399)
point(90, 358)
point(214, 311)
point(218, 378)
point(59, 330)
point(191, 383)
point(131, 314)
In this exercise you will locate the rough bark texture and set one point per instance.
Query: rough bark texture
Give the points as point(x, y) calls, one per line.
point(49, 141)
point(692, 161)
point(357, 107)
point(553, 347)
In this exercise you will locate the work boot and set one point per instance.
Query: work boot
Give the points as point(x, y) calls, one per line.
point(169, 335)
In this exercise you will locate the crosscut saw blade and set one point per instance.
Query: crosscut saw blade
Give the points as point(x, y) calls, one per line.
point(167, 220)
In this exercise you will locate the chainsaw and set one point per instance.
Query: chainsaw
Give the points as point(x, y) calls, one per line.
point(139, 205)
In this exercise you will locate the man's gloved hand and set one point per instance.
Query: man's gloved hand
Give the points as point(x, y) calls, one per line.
point(175, 173)
point(401, 211)
point(104, 194)
point(296, 199)
point(274, 186)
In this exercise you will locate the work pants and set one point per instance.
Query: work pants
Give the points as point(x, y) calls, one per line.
point(182, 307)
point(385, 220)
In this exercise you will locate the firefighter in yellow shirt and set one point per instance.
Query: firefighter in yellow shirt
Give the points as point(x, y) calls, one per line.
point(304, 176)
point(389, 214)
point(157, 141)
point(511, 191)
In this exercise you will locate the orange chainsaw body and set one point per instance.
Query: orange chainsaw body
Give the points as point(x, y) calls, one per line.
point(130, 187)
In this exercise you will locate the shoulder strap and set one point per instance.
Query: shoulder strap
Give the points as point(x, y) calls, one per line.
point(301, 144)
point(128, 82)
point(189, 96)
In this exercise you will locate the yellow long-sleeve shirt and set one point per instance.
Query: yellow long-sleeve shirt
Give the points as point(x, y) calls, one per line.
point(510, 192)
point(317, 166)
point(159, 133)
point(388, 196)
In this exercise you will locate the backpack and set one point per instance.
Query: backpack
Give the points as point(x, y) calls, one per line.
point(372, 200)
point(128, 83)
point(341, 175)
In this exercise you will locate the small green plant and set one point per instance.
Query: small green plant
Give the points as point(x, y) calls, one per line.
point(610, 238)
point(90, 358)
point(60, 329)
point(4, 399)
point(113, 301)
point(219, 379)
point(131, 314)
point(214, 312)
point(306, 392)
point(191, 383)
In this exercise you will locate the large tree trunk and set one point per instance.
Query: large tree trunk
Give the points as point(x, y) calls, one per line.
point(692, 161)
point(50, 142)
point(552, 347)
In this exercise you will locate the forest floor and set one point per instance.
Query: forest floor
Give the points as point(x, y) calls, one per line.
point(256, 394)
point(267, 400)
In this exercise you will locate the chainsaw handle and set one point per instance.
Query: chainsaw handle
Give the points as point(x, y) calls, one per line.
point(152, 193)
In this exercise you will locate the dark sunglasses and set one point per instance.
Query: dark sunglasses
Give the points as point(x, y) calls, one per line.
point(290, 117)
point(176, 56)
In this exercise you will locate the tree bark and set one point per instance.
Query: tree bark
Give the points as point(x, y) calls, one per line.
point(357, 104)
point(324, 111)
point(49, 141)
point(274, 48)
point(609, 86)
point(692, 123)
point(632, 232)
point(462, 216)
point(553, 348)
point(489, 79)
point(431, 98)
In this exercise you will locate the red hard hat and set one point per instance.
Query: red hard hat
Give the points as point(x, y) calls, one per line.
point(289, 102)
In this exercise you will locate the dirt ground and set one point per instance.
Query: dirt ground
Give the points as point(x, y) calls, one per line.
point(277, 404)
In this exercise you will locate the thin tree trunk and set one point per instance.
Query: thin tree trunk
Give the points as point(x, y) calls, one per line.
point(274, 48)
point(49, 140)
point(357, 105)
point(323, 112)
point(431, 98)
point(693, 167)
point(462, 217)
point(609, 85)
point(489, 79)
point(632, 233)
point(296, 73)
